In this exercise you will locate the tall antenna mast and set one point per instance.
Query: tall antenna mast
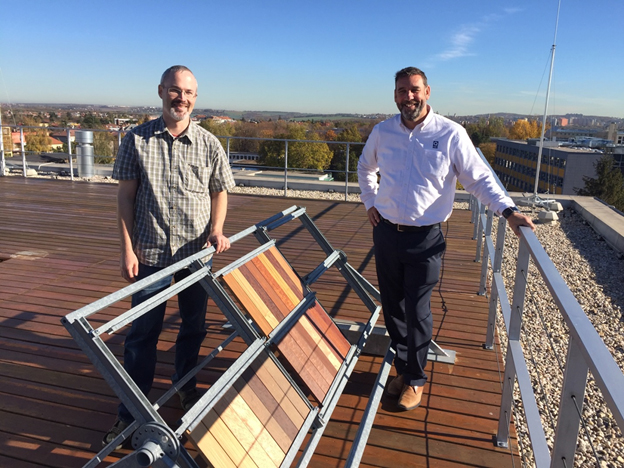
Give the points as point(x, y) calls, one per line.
point(535, 198)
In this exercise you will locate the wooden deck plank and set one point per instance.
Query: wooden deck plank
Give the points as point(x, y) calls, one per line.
point(59, 252)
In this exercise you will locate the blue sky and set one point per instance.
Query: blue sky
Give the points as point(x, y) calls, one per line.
point(481, 56)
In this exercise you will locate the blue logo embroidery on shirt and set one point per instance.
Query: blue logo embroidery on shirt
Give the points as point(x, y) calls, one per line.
point(435, 143)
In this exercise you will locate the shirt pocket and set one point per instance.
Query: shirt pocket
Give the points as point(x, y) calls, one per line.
point(196, 178)
point(435, 164)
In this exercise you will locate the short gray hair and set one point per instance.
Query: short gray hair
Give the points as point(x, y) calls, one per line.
point(172, 70)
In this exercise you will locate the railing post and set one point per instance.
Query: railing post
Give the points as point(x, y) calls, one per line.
point(286, 168)
point(475, 205)
point(227, 150)
point(23, 152)
point(486, 254)
point(69, 155)
point(496, 269)
point(515, 326)
point(568, 423)
point(479, 231)
point(347, 174)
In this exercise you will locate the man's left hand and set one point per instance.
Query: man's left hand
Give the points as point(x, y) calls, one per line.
point(219, 241)
point(517, 219)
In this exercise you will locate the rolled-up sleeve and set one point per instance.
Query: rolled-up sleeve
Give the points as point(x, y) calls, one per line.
point(126, 163)
point(221, 178)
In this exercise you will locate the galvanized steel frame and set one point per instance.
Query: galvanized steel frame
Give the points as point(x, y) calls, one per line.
point(89, 339)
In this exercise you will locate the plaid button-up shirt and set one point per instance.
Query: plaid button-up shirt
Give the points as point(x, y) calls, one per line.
point(176, 177)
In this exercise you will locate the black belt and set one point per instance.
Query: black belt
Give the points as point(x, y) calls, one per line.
point(408, 228)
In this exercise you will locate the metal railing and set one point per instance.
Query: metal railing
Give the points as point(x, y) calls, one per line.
point(66, 130)
point(227, 147)
point(586, 351)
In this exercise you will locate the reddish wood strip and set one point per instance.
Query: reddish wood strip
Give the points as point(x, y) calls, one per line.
point(272, 288)
point(278, 260)
point(328, 328)
point(250, 301)
point(262, 292)
point(281, 389)
point(276, 291)
point(313, 369)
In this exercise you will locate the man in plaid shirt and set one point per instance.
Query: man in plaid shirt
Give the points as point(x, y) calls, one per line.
point(172, 201)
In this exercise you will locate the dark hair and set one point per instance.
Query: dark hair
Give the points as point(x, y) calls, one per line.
point(171, 70)
point(410, 71)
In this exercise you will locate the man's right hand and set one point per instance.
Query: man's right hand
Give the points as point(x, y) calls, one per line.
point(373, 216)
point(129, 264)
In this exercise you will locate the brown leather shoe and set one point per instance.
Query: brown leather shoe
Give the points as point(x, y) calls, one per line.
point(410, 397)
point(395, 387)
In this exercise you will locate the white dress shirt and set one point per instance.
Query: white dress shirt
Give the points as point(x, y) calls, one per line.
point(419, 169)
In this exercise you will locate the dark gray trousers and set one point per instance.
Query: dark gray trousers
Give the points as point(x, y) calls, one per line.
point(408, 268)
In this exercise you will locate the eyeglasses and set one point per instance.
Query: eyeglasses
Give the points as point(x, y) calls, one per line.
point(174, 91)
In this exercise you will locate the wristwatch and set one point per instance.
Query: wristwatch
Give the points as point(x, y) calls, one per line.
point(507, 211)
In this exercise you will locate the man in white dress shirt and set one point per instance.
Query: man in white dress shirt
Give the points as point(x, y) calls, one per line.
point(419, 155)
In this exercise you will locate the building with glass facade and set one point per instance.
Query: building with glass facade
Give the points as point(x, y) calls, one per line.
point(561, 172)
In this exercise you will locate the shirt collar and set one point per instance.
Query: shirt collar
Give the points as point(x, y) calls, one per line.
point(421, 125)
point(161, 127)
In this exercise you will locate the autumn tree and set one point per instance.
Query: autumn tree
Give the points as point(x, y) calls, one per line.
point(338, 163)
point(7, 140)
point(91, 121)
point(489, 151)
point(218, 129)
point(484, 129)
point(608, 185)
point(38, 141)
point(104, 147)
point(304, 154)
point(524, 129)
point(330, 135)
point(246, 130)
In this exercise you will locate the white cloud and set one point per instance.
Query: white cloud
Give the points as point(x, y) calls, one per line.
point(461, 41)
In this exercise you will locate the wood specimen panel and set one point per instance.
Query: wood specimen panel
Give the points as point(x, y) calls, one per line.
point(255, 422)
point(269, 290)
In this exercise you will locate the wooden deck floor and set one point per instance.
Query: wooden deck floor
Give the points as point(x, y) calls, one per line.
point(59, 252)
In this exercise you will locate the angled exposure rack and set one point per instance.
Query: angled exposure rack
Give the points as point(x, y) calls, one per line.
point(281, 390)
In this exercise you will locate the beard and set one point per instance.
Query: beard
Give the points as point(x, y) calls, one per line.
point(177, 115)
point(411, 115)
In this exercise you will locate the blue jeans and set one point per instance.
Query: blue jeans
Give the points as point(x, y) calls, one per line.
point(142, 339)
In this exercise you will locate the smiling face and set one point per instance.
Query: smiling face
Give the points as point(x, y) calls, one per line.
point(411, 95)
point(178, 93)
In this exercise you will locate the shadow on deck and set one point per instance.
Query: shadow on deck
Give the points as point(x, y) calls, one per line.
point(59, 252)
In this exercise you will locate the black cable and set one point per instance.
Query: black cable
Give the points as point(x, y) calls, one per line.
point(444, 308)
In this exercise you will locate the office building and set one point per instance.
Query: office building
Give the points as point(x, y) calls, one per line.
point(561, 172)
